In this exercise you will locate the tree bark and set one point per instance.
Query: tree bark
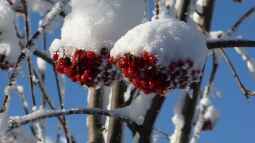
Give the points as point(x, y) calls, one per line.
point(114, 130)
point(94, 123)
point(190, 102)
point(144, 131)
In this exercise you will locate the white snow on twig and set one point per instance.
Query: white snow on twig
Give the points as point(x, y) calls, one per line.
point(15, 136)
point(178, 121)
point(249, 61)
point(42, 66)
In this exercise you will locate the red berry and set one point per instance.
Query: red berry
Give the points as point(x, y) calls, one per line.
point(55, 56)
point(90, 55)
point(149, 58)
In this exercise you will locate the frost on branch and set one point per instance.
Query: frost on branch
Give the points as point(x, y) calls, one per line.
point(178, 121)
point(41, 65)
point(207, 116)
point(9, 48)
point(249, 61)
point(87, 36)
point(15, 136)
point(160, 55)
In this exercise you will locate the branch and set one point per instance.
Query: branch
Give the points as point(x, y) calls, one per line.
point(95, 123)
point(244, 17)
point(242, 87)
point(144, 131)
point(39, 115)
point(44, 56)
point(217, 44)
point(182, 10)
point(114, 126)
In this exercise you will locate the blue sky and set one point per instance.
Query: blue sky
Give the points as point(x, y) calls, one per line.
point(237, 115)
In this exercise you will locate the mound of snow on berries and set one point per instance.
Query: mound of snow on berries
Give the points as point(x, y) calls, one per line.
point(94, 24)
point(161, 54)
point(9, 48)
point(167, 39)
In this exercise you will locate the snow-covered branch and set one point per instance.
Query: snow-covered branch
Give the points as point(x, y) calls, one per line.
point(16, 122)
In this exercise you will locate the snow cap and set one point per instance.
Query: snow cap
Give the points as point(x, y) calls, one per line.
point(94, 24)
point(168, 39)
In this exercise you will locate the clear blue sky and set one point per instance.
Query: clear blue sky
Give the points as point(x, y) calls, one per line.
point(237, 115)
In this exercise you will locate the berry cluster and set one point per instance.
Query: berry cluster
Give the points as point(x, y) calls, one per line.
point(144, 72)
point(86, 67)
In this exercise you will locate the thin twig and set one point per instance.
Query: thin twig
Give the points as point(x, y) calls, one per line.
point(49, 102)
point(244, 17)
point(61, 102)
point(242, 87)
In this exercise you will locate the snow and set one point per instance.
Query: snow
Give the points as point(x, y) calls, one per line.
point(211, 114)
point(41, 6)
point(178, 122)
point(8, 39)
point(48, 20)
point(20, 89)
point(163, 11)
point(140, 105)
point(3, 122)
point(41, 65)
point(201, 3)
point(168, 39)
point(205, 111)
point(249, 61)
point(15, 136)
point(56, 46)
point(7, 16)
point(94, 24)
point(32, 115)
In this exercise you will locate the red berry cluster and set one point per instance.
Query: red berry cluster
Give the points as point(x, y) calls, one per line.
point(86, 67)
point(144, 72)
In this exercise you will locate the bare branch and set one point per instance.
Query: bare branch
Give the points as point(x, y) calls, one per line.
point(216, 44)
point(182, 10)
point(44, 56)
point(244, 17)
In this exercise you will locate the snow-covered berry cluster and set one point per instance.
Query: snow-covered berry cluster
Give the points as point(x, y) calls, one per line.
point(86, 67)
point(9, 48)
point(88, 34)
point(160, 55)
